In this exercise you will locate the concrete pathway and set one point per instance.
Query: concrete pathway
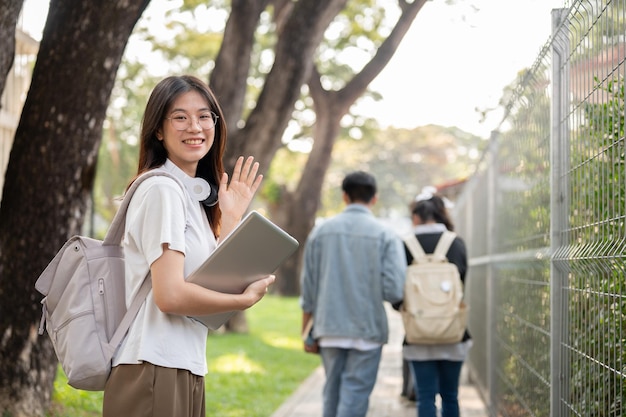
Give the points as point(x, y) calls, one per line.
point(386, 400)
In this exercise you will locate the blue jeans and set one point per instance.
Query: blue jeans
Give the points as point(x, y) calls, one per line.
point(436, 377)
point(350, 378)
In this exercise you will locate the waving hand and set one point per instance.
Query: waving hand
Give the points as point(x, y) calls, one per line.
point(235, 196)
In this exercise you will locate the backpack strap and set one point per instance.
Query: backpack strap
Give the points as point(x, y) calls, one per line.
point(441, 249)
point(444, 243)
point(116, 229)
point(414, 247)
point(129, 316)
point(114, 237)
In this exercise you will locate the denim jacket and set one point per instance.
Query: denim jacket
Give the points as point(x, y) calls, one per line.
point(352, 263)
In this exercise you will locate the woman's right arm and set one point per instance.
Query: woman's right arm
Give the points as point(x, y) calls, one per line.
point(174, 295)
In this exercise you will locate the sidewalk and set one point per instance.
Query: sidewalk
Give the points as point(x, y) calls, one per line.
point(386, 400)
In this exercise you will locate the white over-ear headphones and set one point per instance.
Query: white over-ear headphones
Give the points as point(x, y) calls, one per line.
point(201, 190)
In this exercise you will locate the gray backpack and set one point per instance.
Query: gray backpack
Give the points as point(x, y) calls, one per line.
point(84, 305)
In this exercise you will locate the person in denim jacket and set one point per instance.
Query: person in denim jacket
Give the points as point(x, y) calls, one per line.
point(352, 264)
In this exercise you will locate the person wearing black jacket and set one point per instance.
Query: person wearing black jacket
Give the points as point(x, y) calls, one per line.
point(436, 369)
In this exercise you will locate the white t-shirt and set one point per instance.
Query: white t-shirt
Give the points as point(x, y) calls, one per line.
point(162, 212)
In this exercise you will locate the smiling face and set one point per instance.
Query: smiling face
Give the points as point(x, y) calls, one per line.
point(186, 147)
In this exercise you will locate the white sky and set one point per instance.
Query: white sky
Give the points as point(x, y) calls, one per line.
point(445, 67)
point(453, 60)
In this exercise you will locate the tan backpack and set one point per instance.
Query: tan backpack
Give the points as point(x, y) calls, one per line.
point(433, 311)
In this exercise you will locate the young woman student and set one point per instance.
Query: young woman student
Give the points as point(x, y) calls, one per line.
point(170, 230)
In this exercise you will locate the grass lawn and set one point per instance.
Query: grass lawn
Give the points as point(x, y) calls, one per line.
point(249, 375)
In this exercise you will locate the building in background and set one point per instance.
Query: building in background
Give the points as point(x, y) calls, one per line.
point(14, 94)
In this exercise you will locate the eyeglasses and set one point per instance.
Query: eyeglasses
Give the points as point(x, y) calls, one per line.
point(182, 121)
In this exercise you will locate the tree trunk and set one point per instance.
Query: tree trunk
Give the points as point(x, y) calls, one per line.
point(301, 30)
point(49, 178)
point(297, 211)
point(301, 33)
point(9, 13)
point(232, 65)
point(301, 27)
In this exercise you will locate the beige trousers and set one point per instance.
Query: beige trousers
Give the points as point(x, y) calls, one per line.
point(147, 390)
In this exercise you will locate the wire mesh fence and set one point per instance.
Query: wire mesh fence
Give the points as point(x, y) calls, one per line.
point(545, 221)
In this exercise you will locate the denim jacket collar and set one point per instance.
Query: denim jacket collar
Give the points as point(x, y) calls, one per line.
point(357, 207)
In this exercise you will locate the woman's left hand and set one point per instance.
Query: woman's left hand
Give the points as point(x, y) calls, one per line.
point(235, 197)
point(257, 290)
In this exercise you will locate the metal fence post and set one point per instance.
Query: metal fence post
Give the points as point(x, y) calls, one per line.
point(492, 236)
point(559, 209)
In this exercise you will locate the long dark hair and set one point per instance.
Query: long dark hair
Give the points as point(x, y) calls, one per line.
point(433, 209)
point(153, 154)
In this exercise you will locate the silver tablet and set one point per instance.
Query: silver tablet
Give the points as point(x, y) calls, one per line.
point(254, 249)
